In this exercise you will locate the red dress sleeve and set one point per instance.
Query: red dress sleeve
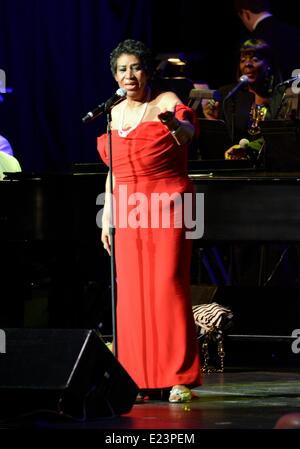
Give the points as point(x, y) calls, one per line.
point(184, 112)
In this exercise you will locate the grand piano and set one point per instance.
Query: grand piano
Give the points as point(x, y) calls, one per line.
point(49, 231)
point(239, 205)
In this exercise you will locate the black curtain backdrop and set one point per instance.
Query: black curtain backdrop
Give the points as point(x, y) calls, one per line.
point(56, 58)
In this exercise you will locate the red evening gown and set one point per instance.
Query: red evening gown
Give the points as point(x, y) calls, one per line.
point(155, 327)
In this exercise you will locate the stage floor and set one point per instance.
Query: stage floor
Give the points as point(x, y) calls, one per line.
point(245, 398)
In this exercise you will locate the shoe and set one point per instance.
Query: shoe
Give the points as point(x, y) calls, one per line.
point(139, 398)
point(180, 393)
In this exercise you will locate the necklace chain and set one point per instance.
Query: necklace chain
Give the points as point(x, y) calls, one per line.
point(121, 131)
point(257, 114)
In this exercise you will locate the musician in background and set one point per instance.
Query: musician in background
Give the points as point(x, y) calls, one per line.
point(8, 163)
point(5, 146)
point(283, 38)
point(244, 105)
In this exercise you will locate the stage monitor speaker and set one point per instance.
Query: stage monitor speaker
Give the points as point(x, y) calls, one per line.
point(71, 372)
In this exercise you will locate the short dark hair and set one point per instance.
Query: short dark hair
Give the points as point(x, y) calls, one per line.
point(255, 6)
point(136, 48)
point(257, 46)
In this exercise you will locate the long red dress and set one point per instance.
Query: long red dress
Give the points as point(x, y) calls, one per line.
point(155, 327)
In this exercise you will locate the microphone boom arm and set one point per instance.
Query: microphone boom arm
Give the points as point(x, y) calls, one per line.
point(106, 106)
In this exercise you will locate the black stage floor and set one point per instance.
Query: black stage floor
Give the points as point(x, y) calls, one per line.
point(259, 386)
point(245, 399)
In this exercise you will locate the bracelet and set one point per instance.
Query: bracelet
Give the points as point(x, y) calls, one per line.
point(174, 133)
point(175, 130)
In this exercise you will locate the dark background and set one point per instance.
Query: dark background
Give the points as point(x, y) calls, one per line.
point(56, 59)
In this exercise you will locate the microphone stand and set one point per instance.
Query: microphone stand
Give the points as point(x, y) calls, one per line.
point(112, 235)
point(243, 80)
point(232, 121)
point(232, 125)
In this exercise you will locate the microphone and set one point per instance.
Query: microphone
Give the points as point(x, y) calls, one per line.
point(243, 80)
point(105, 107)
point(289, 81)
point(244, 144)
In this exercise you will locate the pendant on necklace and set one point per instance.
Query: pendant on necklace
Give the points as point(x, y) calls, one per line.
point(124, 132)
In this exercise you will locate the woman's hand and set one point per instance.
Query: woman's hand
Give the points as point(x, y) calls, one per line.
point(106, 218)
point(105, 235)
point(105, 238)
point(235, 153)
point(211, 109)
point(167, 117)
point(181, 130)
